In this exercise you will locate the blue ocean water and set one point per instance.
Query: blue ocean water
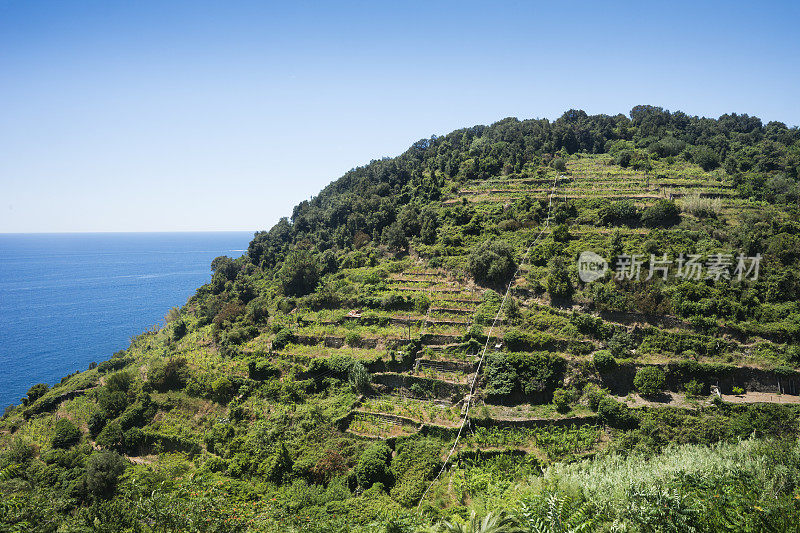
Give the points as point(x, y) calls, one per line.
point(69, 299)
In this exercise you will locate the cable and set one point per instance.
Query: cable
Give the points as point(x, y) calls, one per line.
point(486, 345)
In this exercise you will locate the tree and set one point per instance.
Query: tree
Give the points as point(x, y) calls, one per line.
point(66, 434)
point(559, 164)
point(430, 225)
point(299, 274)
point(559, 284)
point(705, 157)
point(649, 380)
point(103, 469)
point(492, 263)
point(395, 237)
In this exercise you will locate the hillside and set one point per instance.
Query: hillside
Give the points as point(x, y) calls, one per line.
point(418, 343)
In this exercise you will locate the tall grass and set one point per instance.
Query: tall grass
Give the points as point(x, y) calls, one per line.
point(701, 207)
point(609, 478)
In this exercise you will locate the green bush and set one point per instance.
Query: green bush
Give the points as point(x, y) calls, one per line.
point(111, 437)
point(103, 470)
point(559, 284)
point(35, 392)
point(620, 344)
point(222, 389)
point(615, 414)
point(115, 363)
point(618, 213)
point(178, 330)
point(663, 213)
point(694, 388)
point(261, 370)
point(111, 402)
point(492, 263)
point(352, 338)
point(373, 465)
point(282, 338)
point(66, 434)
point(359, 377)
point(649, 380)
point(604, 361)
point(562, 399)
point(594, 395)
point(168, 374)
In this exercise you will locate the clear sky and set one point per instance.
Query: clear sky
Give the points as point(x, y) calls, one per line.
point(196, 115)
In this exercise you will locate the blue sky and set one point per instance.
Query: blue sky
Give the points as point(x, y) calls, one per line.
point(163, 116)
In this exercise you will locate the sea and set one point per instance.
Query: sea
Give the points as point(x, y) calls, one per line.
point(70, 299)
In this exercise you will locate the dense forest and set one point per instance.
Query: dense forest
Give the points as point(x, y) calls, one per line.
point(416, 349)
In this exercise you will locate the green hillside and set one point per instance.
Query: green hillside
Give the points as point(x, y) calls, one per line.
point(415, 347)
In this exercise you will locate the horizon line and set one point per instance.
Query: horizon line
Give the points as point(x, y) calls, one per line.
point(3, 233)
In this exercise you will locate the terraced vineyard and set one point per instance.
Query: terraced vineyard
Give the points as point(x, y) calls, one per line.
point(422, 340)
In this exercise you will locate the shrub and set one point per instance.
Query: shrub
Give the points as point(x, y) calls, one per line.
point(261, 370)
point(169, 374)
point(416, 461)
point(111, 436)
point(178, 330)
point(705, 157)
point(492, 263)
point(617, 213)
point(562, 399)
point(299, 274)
point(115, 363)
point(604, 361)
point(20, 451)
point(112, 402)
point(34, 393)
point(694, 388)
point(615, 414)
point(559, 164)
point(594, 395)
point(278, 464)
point(649, 380)
point(373, 465)
point(421, 303)
point(223, 389)
point(97, 421)
point(352, 338)
point(559, 284)
point(663, 213)
point(283, 337)
point(258, 308)
point(359, 377)
point(103, 469)
point(620, 344)
point(119, 381)
point(514, 373)
point(66, 434)
point(561, 233)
